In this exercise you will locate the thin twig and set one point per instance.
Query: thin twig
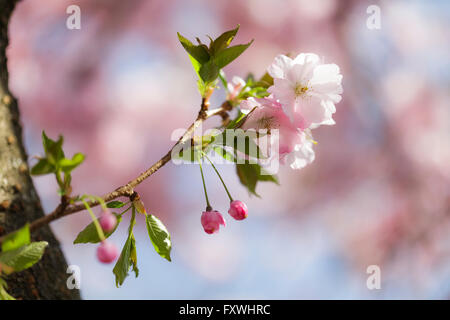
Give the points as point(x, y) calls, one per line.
point(63, 209)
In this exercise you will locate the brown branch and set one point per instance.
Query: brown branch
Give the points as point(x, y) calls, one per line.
point(64, 209)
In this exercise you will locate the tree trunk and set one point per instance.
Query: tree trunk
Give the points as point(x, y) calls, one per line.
point(19, 202)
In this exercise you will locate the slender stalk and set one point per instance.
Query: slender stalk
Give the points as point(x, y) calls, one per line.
point(208, 205)
point(101, 235)
point(127, 209)
point(126, 190)
point(220, 177)
point(97, 198)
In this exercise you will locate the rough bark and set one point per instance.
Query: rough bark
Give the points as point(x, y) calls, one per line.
point(19, 202)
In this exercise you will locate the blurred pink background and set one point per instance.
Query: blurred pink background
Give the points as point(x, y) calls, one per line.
point(378, 192)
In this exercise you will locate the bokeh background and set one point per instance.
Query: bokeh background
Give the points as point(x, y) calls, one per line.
point(377, 194)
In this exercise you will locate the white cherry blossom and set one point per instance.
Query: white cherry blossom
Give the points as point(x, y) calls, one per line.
point(306, 88)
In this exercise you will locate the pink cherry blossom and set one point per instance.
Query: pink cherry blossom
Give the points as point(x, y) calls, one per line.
point(268, 115)
point(107, 252)
point(306, 89)
point(303, 153)
point(238, 210)
point(108, 221)
point(211, 221)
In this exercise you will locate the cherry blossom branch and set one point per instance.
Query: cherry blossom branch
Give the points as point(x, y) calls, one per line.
point(65, 209)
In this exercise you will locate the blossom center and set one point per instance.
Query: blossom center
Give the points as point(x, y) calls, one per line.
point(266, 122)
point(300, 90)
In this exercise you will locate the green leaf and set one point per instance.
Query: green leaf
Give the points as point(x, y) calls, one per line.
point(24, 257)
point(250, 173)
point(133, 256)
point(4, 295)
point(90, 235)
point(248, 177)
point(17, 239)
point(127, 257)
point(126, 260)
point(46, 142)
point(123, 263)
point(42, 167)
point(224, 154)
point(227, 55)
point(266, 81)
point(242, 141)
point(224, 40)
point(238, 121)
point(209, 72)
point(257, 92)
point(67, 165)
point(115, 204)
point(159, 236)
point(198, 52)
point(53, 150)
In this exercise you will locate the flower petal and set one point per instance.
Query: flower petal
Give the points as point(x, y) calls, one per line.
point(279, 66)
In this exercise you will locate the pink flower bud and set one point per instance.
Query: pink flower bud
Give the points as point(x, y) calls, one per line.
point(238, 210)
point(107, 252)
point(211, 221)
point(108, 221)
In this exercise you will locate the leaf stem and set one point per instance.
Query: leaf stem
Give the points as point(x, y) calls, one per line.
point(122, 213)
point(127, 189)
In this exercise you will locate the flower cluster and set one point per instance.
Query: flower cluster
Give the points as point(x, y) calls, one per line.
point(302, 98)
point(212, 219)
point(107, 252)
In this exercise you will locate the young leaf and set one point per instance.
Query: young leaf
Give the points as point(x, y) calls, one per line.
point(67, 165)
point(198, 52)
point(133, 256)
point(224, 154)
point(257, 92)
point(248, 177)
point(17, 239)
point(42, 167)
point(123, 263)
point(24, 257)
point(90, 235)
point(238, 121)
point(224, 40)
point(209, 71)
point(46, 142)
point(127, 256)
point(4, 295)
point(159, 236)
point(266, 81)
point(126, 260)
point(227, 55)
point(199, 55)
point(240, 141)
point(115, 204)
point(250, 173)
point(53, 150)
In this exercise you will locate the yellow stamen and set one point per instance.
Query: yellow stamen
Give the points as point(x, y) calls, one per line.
point(266, 122)
point(300, 90)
